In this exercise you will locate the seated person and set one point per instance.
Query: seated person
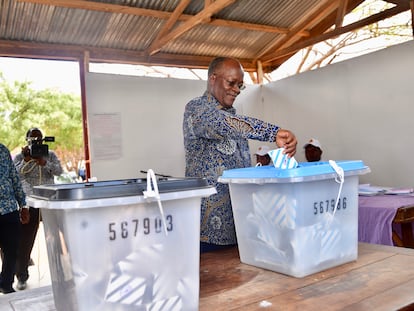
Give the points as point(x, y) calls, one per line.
point(313, 150)
point(262, 157)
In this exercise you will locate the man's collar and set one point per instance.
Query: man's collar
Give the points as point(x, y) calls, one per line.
point(211, 99)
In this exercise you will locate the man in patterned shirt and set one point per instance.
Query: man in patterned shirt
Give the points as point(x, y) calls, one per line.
point(216, 139)
point(11, 216)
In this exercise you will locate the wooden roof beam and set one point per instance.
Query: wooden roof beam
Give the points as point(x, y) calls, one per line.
point(336, 32)
point(122, 9)
point(107, 55)
point(197, 19)
point(259, 73)
point(398, 2)
point(170, 23)
point(314, 15)
point(412, 14)
point(341, 11)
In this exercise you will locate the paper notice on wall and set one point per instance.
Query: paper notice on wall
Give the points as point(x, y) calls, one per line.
point(105, 136)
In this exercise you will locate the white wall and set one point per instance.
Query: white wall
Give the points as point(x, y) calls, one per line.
point(151, 111)
point(360, 109)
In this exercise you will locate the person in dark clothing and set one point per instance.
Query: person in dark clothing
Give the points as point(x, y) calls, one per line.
point(13, 212)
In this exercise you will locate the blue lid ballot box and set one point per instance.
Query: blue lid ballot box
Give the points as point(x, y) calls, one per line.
point(110, 248)
point(286, 220)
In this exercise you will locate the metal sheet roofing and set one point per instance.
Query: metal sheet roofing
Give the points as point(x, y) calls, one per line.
point(180, 33)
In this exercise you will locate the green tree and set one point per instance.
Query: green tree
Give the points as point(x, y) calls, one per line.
point(55, 113)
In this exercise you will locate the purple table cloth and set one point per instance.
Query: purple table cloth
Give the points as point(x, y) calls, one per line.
point(376, 214)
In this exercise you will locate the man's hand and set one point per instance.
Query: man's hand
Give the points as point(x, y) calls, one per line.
point(41, 161)
point(27, 157)
point(287, 140)
point(24, 216)
point(26, 153)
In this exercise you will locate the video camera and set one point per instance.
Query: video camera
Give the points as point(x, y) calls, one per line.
point(36, 147)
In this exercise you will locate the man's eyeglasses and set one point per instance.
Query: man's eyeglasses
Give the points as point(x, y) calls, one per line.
point(233, 84)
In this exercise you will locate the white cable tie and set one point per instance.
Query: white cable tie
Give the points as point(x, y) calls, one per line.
point(153, 193)
point(339, 172)
point(339, 178)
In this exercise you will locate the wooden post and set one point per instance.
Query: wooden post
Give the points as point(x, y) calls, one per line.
point(259, 72)
point(412, 15)
point(83, 68)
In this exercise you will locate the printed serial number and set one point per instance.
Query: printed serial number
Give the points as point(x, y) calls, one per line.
point(132, 228)
point(328, 206)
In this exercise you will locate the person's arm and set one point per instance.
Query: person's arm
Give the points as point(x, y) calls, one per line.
point(53, 164)
point(250, 128)
point(260, 130)
point(18, 161)
point(206, 121)
point(19, 194)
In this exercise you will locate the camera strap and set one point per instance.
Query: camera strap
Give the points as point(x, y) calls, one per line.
point(24, 170)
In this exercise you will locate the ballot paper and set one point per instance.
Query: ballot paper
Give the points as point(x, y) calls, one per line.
point(281, 160)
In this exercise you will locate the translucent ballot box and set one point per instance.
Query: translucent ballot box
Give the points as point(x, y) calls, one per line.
point(116, 245)
point(296, 221)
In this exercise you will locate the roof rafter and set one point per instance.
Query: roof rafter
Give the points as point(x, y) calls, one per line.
point(122, 9)
point(107, 55)
point(301, 25)
point(204, 14)
point(412, 14)
point(170, 22)
point(336, 32)
point(340, 14)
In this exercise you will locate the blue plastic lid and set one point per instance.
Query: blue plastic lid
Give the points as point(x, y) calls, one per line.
point(306, 171)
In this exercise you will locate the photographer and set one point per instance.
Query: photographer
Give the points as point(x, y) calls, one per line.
point(36, 165)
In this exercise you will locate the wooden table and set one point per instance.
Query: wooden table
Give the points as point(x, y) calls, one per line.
point(405, 218)
point(391, 214)
point(381, 279)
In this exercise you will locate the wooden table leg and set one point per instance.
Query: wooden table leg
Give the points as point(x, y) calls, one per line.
point(407, 234)
point(396, 239)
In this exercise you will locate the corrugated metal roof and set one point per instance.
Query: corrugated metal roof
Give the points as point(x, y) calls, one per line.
point(129, 31)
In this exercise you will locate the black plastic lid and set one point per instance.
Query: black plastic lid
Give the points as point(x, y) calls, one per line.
point(113, 188)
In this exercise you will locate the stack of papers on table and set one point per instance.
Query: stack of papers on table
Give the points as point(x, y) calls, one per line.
point(399, 191)
point(367, 189)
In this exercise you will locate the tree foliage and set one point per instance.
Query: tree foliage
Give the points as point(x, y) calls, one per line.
point(56, 114)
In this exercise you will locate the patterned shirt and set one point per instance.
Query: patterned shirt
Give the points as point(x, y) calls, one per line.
point(33, 174)
point(215, 139)
point(11, 191)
